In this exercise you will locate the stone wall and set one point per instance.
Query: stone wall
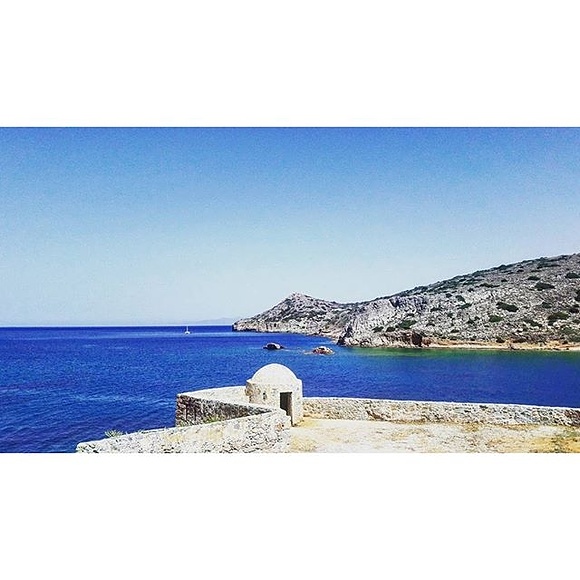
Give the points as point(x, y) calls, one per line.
point(438, 412)
point(216, 420)
point(227, 394)
point(209, 406)
point(267, 430)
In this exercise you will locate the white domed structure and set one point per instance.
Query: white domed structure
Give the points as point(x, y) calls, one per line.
point(275, 385)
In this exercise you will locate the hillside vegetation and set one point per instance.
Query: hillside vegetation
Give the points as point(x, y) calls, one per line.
point(534, 303)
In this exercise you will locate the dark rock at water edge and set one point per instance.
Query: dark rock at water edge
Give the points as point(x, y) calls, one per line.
point(322, 350)
point(273, 346)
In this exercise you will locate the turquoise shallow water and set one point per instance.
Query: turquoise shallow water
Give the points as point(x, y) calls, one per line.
point(59, 386)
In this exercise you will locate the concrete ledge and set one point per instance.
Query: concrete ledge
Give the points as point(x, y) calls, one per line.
point(438, 412)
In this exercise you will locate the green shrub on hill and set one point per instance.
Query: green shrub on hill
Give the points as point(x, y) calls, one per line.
point(571, 334)
point(557, 316)
point(508, 307)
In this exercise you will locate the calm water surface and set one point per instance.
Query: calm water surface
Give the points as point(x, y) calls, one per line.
point(60, 386)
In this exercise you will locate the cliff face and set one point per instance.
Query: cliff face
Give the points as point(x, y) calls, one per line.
point(534, 302)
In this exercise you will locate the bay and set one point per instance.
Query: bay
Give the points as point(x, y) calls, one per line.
point(60, 386)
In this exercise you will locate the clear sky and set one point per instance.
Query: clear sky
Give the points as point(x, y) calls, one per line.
point(172, 226)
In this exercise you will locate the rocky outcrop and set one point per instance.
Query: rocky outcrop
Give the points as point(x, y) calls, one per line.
point(535, 303)
point(301, 314)
point(273, 346)
point(322, 350)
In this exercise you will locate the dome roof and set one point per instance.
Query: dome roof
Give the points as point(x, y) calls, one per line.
point(274, 373)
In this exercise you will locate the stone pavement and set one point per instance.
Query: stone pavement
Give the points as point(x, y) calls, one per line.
point(349, 436)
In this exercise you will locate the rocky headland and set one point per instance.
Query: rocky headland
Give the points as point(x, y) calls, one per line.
point(529, 304)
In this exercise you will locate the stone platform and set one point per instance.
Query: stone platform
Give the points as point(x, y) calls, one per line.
point(355, 436)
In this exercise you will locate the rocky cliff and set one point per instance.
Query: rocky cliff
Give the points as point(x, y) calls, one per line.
point(533, 303)
point(303, 315)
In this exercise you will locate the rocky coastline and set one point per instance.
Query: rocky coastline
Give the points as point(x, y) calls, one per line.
point(534, 304)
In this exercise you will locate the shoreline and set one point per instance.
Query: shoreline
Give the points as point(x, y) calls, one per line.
point(552, 346)
point(508, 346)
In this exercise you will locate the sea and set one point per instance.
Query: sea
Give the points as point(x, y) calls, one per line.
point(61, 386)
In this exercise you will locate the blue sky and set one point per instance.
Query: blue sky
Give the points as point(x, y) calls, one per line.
point(172, 226)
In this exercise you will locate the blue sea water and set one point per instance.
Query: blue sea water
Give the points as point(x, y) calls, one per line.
point(60, 386)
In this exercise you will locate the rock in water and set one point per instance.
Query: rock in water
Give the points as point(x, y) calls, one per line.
point(273, 346)
point(322, 350)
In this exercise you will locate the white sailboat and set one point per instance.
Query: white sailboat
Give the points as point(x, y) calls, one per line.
point(187, 330)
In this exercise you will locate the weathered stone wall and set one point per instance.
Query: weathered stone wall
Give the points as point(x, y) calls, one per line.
point(219, 420)
point(438, 412)
point(208, 406)
point(228, 394)
point(262, 430)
